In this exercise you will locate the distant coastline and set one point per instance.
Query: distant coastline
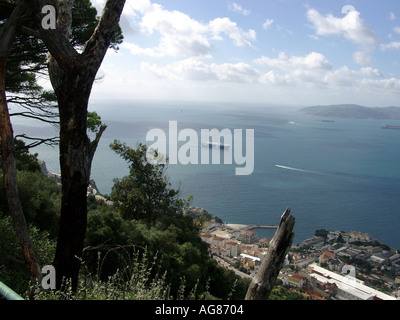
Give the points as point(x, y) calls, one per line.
point(353, 111)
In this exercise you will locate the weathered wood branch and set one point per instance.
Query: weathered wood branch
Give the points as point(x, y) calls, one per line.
point(263, 282)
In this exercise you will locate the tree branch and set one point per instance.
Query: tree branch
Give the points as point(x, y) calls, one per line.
point(8, 30)
point(31, 116)
point(263, 282)
point(93, 144)
point(96, 47)
point(49, 141)
point(56, 40)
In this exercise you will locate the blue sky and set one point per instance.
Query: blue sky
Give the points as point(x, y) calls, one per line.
point(294, 52)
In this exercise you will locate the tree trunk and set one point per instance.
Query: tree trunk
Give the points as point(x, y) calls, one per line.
point(10, 186)
point(75, 174)
point(72, 76)
point(263, 282)
point(7, 35)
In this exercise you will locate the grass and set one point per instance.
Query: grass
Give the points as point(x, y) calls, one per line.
point(140, 285)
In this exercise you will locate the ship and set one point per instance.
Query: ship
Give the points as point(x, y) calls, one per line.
point(215, 145)
point(384, 126)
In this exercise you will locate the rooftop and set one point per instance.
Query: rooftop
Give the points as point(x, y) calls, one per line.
point(347, 284)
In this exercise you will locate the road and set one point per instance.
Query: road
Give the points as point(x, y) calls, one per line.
point(228, 266)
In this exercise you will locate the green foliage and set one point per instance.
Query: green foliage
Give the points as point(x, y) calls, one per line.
point(24, 160)
point(40, 199)
point(141, 284)
point(93, 121)
point(282, 293)
point(120, 238)
point(27, 59)
point(145, 194)
point(12, 266)
point(322, 233)
point(84, 22)
point(148, 214)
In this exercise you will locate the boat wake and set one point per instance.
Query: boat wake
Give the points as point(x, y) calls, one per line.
point(294, 169)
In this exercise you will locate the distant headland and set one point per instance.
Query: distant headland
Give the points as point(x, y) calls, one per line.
point(353, 111)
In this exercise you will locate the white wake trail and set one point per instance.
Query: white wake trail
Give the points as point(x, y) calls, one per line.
point(295, 169)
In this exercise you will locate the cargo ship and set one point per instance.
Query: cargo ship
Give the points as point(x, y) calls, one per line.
point(384, 126)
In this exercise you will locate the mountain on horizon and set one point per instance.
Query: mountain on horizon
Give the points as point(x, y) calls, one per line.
point(354, 111)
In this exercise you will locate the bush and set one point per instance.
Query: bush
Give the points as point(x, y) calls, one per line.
point(12, 267)
point(40, 200)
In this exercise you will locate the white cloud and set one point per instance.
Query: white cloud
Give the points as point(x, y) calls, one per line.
point(267, 24)
point(315, 71)
point(313, 60)
point(370, 72)
point(392, 45)
point(225, 26)
point(362, 58)
point(192, 72)
point(239, 9)
point(390, 85)
point(196, 70)
point(272, 77)
point(136, 50)
point(179, 34)
point(281, 62)
point(351, 26)
point(311, 70)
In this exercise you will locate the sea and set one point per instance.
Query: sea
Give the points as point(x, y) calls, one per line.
point(334, 174)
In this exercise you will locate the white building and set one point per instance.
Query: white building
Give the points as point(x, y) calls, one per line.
point(218, 241)
point(349, 288)
point(232, 247)
point(295, 280)
point(206, 237)
point(379, 258)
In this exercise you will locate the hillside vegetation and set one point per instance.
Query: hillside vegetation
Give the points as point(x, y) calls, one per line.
point(140, 247)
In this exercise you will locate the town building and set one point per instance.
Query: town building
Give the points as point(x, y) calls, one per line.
point(380, 259)
point(264, 242)
point(348, 288)
point(325, 256)
point(295, 280)
point(207, 237)
point(233, 248)
point(358, 236)
point(218, 241)
point(248, 236)
point(250, 260)
point(313, 242)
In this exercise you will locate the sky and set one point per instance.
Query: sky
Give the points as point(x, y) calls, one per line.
point(286, 52)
